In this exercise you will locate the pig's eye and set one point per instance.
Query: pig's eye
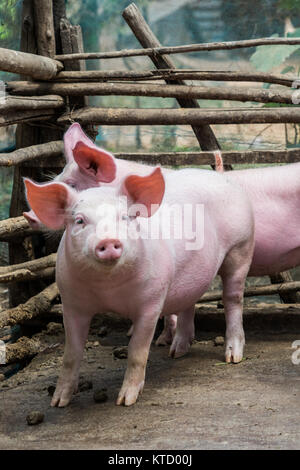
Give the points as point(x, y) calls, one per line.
point(71, 184)
point(79, 221)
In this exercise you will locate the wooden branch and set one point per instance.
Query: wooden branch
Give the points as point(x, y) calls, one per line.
point(208, 158)
point(55, 149)
point(35, 306)
point(287, 297)
point(22, 349)
point(173, 74)
point(254, 291)
point(13, 228)
point(154, 51)
point(32, 266)
point(24, 103)
point(128, 117)
point(59, 12)
point(18, 117)
point(26, 275)
point(145, 36)
point(50, 149)
point(44, 24)
point(256, 309)
point(72, 41)
point(24, 63)
point(176, 91)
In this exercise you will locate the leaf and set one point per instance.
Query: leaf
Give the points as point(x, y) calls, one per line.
point(266, 58)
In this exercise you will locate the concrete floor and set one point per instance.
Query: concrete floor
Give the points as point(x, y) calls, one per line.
point(196, 402)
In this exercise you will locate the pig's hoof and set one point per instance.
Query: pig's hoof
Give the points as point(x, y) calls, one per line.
point(166, 336)
point(129, 394)
point(62, 396)
point(234, 350)
point(180, 346)
point(130, 331)
point(164, 339)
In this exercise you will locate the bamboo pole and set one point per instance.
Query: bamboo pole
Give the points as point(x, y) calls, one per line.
point(24, 63)
point(161, 50)
point(48, 150)
point(196, 117)
point(157, 90)
point(35, 306)
point(174, 74)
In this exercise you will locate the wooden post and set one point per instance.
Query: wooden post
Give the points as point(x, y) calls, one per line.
point(72, 42)
point(37, 37)
point(145, 36)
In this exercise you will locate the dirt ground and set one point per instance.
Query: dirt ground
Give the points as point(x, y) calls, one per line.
point(196, 402)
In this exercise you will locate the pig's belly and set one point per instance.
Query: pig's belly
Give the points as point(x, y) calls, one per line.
point(188, 287)
point(277, 240)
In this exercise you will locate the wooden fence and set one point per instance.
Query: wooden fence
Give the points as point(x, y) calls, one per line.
point(51, 94)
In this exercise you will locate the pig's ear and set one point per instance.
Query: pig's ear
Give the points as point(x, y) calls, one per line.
point(147, 191)
point(32, 219)
point(95, 162)
point(49, 202)
point(73, 135)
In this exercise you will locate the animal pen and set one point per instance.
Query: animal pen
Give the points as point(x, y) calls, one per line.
point(51, 94)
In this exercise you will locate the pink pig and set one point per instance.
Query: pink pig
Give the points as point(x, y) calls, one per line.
point(99, 269)
point(275, 196)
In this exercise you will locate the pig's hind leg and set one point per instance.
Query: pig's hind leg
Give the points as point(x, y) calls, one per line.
point(76, 332)
point(168, 333)
point(185, 333)
point(233, 272)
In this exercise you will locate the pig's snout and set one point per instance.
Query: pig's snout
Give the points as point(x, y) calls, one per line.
point(109, 250)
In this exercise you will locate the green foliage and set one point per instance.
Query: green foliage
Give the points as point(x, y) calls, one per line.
point(289, 6)
point(266, 58)
point(93, 15)
point(9, 23)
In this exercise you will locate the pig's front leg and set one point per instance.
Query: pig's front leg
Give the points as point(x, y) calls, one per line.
point(138, 351)
point(76, 332)
point(185, 332)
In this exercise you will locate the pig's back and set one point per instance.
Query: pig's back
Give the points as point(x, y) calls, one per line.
point(275, 197)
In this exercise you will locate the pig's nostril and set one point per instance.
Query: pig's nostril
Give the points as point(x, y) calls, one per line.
point(109, 250)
